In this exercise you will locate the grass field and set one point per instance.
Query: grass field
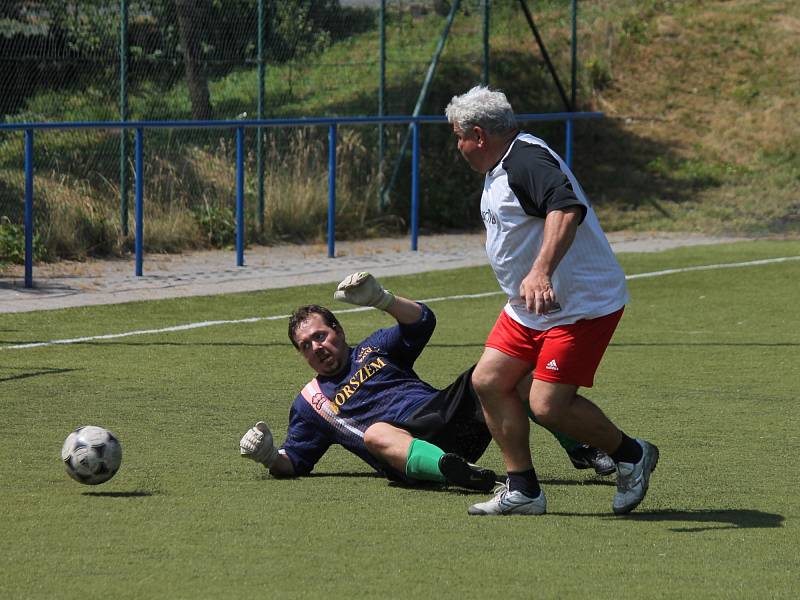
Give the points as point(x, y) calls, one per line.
point(706, 364)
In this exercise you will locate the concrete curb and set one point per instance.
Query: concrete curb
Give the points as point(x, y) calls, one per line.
point(69, 284)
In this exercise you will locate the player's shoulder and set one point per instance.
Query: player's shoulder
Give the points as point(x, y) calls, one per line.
point(376, 339)
point(375, 345)
point(526, 154)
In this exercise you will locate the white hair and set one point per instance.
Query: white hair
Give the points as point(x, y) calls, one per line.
point(484, 107)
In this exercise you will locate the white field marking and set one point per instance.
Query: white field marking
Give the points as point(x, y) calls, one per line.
point(750, 263)
point(188, 326)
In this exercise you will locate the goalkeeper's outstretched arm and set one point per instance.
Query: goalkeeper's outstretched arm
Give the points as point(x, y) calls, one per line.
point(405, 311)
point(257, 445)
point(363, 289)
point(282, 467)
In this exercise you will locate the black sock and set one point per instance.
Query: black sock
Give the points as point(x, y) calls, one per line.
point(525, 482)
point(629, 451)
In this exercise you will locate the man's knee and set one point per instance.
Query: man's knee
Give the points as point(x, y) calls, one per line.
point(382, 438)
point(490, 382)
point(550, 402)
point(388, 443)
point(479, 382)
point(497, 374)
point(546, 411)
point(377, 438)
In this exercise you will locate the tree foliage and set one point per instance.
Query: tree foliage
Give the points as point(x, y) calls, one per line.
point(61, 44)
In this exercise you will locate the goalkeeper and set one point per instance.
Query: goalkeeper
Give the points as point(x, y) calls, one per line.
point(368, 399)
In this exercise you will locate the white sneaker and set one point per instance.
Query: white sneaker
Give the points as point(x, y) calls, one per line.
point(634, 479)
point(510, 503)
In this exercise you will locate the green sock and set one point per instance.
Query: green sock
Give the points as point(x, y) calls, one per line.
point(566, 442)
point(423, 461)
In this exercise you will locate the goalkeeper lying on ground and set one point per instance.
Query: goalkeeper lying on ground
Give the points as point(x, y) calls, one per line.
point(369, 399)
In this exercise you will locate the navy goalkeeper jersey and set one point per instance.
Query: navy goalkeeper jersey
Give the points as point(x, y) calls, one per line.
point(378, 384)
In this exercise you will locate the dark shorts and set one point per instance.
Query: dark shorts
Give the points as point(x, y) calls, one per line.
point(453, 420)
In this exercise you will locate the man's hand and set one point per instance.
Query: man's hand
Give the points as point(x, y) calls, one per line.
point(257, 445)
point(538, 293)
point(364, 290)
point(560, 227)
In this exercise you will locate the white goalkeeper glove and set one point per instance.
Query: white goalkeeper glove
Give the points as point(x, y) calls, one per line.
point(257, 445)
point(364, 290)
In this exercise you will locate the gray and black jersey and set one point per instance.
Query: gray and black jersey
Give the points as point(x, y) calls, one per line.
point(530, 181)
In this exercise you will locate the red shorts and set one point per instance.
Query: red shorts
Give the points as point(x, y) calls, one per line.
point(563, 354)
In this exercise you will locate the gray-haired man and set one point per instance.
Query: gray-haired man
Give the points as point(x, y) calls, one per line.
point(566, 294)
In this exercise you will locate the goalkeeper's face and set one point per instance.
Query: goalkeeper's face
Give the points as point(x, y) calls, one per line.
point(323, 347)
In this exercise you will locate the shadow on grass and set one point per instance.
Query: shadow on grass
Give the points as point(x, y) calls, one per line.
point(609, 481)
point(438, 488)
point(134, 494)
point(345, 474)
point(426, 486)
point(37, 372)
point(705, 519)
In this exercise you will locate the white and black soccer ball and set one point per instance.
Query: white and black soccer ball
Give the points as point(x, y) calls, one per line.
point(91, 454)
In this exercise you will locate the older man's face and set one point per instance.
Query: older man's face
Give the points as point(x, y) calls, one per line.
point(471, 147)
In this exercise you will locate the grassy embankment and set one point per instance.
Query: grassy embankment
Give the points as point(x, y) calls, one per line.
point(701, 132)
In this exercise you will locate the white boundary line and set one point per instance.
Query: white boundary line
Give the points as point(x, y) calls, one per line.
point(750, 263)
point(188, 326)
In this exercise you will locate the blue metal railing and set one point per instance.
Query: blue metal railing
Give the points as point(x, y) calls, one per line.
point(240, 125)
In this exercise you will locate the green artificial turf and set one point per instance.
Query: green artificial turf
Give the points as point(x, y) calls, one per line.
point(706, 364)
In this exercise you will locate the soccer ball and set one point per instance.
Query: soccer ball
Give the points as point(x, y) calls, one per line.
point(91, 454)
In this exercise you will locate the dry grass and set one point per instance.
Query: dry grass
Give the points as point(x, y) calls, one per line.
point(716, 86)
point(720, 79)
point(189, 197)
point(702, 133)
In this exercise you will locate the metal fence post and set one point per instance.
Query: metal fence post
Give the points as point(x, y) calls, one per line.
point(574, 54)
point(569, 142)
point(240, 196)
point(414, 185)
point(29, 208)
point(139, 216)
point(139, 127)
point(423, 95)
point(123, 116)
point(486, 11)
point(381, 98)
point(262, 24)
point(332, 191)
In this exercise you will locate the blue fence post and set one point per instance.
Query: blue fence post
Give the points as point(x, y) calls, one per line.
point(414, 184)
point(569, 143)
point(240, 197)
point(29, 208)
point(332, 191)
point(139, 198)
point(332, 122)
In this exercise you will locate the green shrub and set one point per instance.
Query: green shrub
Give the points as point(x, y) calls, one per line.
point(12, 243)
point(218, 224)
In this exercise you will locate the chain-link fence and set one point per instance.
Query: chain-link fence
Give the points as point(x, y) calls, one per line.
point(108, 60)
